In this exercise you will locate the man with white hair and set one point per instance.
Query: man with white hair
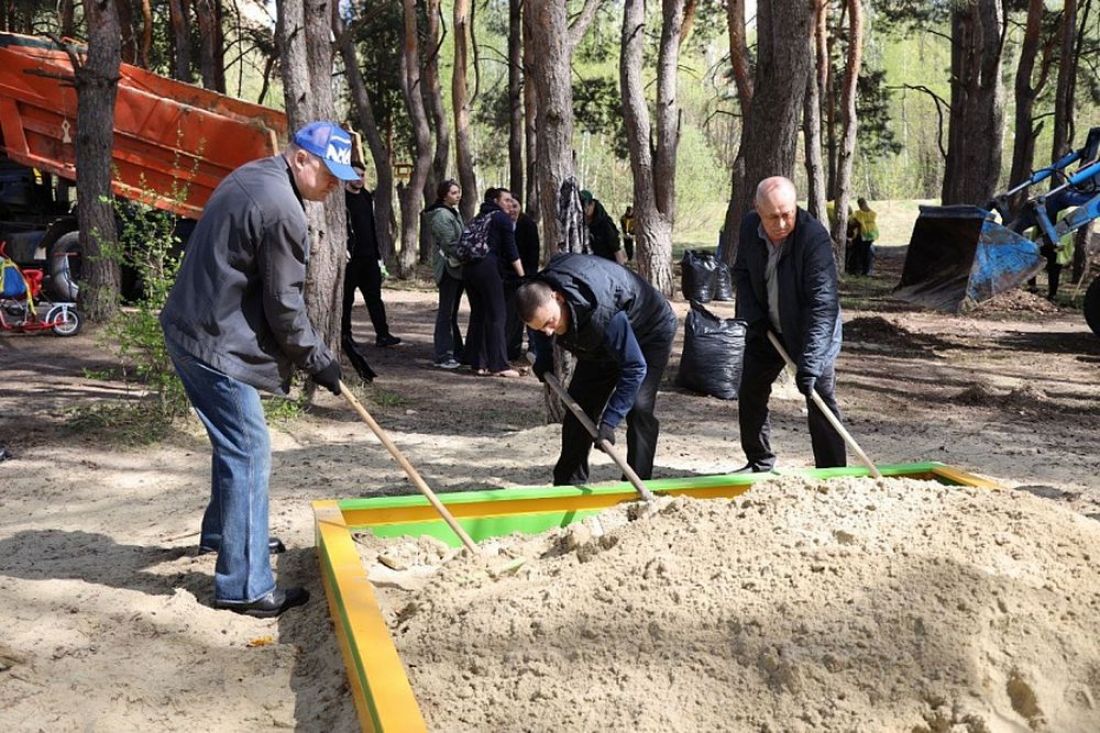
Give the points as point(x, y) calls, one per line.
point(786, 282)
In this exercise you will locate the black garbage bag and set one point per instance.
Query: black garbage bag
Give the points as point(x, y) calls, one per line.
point(697, 276)
point(713, 351)
point(723, 281)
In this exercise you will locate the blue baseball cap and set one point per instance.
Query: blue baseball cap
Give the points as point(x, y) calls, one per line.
point(332, 144)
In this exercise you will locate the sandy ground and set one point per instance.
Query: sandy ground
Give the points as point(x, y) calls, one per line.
point(104, 604)
point(851, 604)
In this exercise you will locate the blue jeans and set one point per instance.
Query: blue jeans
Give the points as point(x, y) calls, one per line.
point(235, 521)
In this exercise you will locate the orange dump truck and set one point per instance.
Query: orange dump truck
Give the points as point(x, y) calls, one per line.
point(173, 144)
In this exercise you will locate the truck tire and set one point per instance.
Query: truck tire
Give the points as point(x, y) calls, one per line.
point(64, 258)
point(1092, 306)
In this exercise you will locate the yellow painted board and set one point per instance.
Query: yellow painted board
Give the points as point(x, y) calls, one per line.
point(384, 699)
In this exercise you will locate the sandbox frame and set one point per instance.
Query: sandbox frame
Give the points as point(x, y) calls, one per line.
point(384, 699)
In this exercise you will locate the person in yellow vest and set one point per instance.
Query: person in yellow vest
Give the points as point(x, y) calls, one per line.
point(863, 241)
point(1056, 259)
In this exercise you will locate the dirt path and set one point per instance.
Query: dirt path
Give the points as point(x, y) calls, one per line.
point(103, 601)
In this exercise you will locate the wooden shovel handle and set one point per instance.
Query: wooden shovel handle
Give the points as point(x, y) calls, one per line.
point(414, 476)
point(603, 445)
point(826, 411)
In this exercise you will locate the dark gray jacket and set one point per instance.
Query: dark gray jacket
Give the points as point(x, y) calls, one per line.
point(237, 302)
point(809, 303)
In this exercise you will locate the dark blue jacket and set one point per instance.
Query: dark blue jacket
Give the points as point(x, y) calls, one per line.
point(809, 302)
point(613, 313)
point(502, 237)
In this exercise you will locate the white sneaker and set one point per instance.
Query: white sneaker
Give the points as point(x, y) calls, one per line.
point(448, 364)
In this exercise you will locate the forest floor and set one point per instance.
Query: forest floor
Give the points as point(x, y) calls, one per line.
point(105, 604)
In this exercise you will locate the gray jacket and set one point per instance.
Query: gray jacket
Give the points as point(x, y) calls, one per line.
point(237, 303)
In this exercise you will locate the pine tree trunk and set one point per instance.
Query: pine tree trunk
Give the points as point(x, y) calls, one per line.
point(380, 154)
point(811, 118)
point(433, 100)
point(303, 31)
point(411, 195)
point(146, 46)
point(211, 44)
point(1063, 97)
point(179, 19)
point(1023, 147)
point(328, 219)
point(848, 118)
point(741, 63)
point(65, 18)
point(530, 126)
point(96, 87)
point(128, 47)
point(515, 98)
point(654, 168)
point(769, 143)
point(460, 99)
point(438, 129)
point(975, 131)
point(552, 54)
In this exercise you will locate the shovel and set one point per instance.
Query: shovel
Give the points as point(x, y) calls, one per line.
point(414, 476)
point(603, 445)
point(826, 411)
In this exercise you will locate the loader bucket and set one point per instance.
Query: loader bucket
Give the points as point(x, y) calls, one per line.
point(958, 257)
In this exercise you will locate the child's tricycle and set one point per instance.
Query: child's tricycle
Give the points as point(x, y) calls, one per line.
point(21, 307)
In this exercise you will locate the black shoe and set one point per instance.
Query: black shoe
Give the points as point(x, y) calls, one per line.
point(362, 368)
point(275, 546)
point(387, 340)
point(752, 468)
point(270, 605)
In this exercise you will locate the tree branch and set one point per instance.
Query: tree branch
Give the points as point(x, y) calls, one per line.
point(581, 21)
point(941, 105)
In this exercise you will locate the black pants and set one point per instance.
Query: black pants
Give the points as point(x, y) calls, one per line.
point(859, 259)
point(591, 386)
point(761, 367)
point(485, 347)
point(447, 338)
point(513, 326)
point(1054, 274)
point(364, 273)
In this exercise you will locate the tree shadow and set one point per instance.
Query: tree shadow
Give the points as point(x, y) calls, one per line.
point(55, 554)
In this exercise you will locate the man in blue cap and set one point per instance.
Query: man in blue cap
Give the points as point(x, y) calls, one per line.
point(235, 322)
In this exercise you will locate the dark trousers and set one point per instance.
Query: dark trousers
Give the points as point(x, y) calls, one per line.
point(364, 273)
point(485, 337)
point(591, 386)
point(448, 336)
point(762, 365)
point(513, 326)
point(860, 257)
point(1054, 273)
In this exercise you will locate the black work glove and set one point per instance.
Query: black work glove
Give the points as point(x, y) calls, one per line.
point(805, 383)
point(329, 377)
point(605, 432)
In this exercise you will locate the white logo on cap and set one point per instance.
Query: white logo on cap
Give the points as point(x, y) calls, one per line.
point(338, 155)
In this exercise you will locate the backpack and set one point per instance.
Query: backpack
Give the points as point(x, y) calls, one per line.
point(12, 284)
point(473, 243)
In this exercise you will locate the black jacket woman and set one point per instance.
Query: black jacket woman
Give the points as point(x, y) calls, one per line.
point(484, 278)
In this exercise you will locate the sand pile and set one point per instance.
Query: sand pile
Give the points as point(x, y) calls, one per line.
point(848, 605)
point(1016, 301)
